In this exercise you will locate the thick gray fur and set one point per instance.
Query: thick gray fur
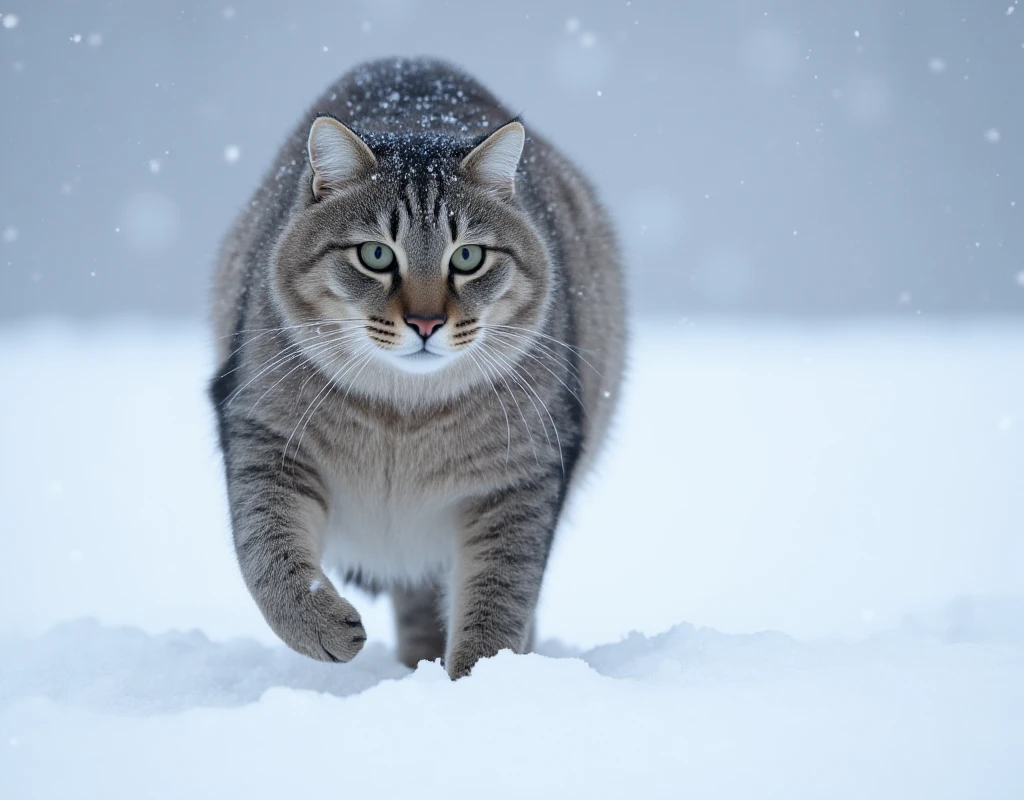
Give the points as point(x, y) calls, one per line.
point(443, 487)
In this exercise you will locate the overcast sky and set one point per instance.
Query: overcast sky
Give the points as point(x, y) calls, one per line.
point(804, 158)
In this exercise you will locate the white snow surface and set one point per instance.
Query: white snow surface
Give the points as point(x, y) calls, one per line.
point(796, 573)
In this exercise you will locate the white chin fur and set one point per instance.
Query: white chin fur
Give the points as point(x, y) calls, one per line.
point(421, 363)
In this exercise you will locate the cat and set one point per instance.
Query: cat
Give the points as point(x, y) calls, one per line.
point(421, 328)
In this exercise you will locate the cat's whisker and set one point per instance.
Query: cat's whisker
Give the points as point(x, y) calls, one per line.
point(366, 359)
point(327, 384)
point(267, 366)
point(542, 348)
point(277, 331)
point(503, 362)
point(512, 345)
point(293, 346)
point(508, 425)
point(533, 341)
point(281, 358)
point(310, 377)
point(533, 332)
point(321, 350)
point(313, 374)
point(529, 388)
point(575, 350)
point(311, 323)
point(536, 351)
point(529, 432)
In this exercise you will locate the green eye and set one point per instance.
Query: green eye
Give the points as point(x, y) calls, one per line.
point(376, 256)
point(467, 258)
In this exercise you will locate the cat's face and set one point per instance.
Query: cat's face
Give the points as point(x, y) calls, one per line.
point(411, 254)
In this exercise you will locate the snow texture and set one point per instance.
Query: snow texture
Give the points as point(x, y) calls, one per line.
point(855, 488)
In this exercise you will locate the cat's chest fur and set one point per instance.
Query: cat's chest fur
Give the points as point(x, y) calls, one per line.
point(388, 539)
point(395, 515)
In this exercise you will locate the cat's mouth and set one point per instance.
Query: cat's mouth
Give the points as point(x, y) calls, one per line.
point(421, 362)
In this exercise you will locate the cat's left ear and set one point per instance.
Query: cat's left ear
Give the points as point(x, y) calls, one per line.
point(336, 155)
point(493, 162)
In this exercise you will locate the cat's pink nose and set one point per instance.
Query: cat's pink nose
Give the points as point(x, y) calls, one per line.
point(425, 324)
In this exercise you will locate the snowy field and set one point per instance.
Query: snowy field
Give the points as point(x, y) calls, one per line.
point(798, 573)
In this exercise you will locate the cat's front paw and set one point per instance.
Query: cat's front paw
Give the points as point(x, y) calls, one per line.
point(324, 625)
point(465, 655)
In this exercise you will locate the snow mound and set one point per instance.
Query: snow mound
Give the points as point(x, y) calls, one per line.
point(127, 670)
point(93, 711)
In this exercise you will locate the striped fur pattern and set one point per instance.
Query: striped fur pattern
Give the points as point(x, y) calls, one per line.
point(432, 466)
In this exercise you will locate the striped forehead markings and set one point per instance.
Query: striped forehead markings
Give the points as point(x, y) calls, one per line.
point(420, 196)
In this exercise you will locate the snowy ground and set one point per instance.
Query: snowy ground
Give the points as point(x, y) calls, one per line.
point(857, 489)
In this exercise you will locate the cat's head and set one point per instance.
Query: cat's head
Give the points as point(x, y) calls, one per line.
point(411, 253)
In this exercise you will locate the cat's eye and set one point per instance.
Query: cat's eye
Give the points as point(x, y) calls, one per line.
point(467, 258)
point(376, 256)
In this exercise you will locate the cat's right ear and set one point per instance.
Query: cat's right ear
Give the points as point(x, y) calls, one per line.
point(337, 156)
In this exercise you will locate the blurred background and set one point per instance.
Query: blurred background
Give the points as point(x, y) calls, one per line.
point(778, 157)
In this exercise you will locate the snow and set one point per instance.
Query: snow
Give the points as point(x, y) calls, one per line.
point(687, 713)
point(814, 532)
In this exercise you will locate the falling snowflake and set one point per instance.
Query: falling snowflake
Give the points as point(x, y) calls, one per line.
point(232, 153)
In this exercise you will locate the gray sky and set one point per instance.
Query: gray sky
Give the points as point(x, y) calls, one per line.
point(772, 157)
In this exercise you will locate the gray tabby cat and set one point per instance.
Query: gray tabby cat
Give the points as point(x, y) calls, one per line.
point(421, 324)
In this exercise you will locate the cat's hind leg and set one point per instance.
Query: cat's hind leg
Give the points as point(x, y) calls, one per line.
point(418, 620)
